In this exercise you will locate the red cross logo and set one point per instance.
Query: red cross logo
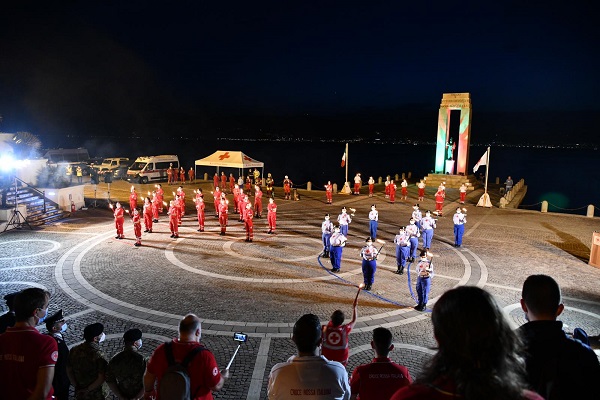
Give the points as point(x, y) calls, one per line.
point(247, 158)
point(224, 156)
point(334, 338)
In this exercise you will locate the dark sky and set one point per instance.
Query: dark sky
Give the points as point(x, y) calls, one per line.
point(119, 67)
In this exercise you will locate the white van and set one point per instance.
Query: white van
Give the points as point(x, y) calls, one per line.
point(151, 168)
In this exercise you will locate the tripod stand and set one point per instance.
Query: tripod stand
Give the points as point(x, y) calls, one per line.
point(17, 219)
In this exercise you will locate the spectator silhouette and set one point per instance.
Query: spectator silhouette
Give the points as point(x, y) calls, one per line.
point(558, 367)
point(478, 353)
point(380, 379)
point(308, 374)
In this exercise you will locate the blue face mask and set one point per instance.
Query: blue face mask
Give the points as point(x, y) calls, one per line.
point(64, 327)
point(44, 317)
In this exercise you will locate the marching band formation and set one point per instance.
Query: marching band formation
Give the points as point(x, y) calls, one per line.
point(334, 236)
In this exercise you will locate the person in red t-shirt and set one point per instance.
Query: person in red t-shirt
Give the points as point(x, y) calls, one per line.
point(380, 379)
point(203, 371)
point(335, 335)
point(27, 358)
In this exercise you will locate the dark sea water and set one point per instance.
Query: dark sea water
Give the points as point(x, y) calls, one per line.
point(569, 179)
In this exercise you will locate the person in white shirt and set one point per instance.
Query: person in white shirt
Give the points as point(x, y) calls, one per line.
point(373, 221)
point(308, 375)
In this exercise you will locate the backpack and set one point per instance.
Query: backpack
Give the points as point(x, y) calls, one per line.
point(175, 383)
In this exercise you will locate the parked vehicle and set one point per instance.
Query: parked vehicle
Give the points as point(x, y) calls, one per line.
point(151, 168)
point(110, 164)
point(120, 172)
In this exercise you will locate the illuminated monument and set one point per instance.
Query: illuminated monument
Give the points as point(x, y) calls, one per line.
point(445, 162)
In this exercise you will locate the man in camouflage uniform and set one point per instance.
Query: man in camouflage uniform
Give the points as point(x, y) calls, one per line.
point(87, 365)
point(125, 372)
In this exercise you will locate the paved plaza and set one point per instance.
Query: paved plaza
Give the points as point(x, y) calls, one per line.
point(261, 288)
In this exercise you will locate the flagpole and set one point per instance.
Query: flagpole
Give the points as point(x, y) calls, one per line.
point(346, 164)
point(487, 168)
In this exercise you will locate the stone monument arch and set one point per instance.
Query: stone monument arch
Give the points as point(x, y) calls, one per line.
point(446, 160)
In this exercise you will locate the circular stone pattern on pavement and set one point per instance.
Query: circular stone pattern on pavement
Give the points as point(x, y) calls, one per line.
point(27, 248)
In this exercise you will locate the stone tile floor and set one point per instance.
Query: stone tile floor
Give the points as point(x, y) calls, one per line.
point(261, 288)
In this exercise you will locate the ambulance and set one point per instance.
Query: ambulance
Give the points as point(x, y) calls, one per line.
point(152, 168)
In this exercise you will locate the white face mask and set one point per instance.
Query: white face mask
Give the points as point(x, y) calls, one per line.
point(102, 338)
point(139, 346)
point(412, 222)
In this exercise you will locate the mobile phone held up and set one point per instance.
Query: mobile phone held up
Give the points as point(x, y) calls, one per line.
point(240, 337)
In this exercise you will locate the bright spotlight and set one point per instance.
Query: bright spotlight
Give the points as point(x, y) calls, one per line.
point(7, 162)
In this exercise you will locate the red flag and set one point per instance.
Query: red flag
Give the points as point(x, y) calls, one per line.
point(344, 160)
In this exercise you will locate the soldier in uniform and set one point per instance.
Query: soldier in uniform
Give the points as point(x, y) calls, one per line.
point(424, 274)
point(427, 227)
point(371, 186)
point(56, 326)
point(373, 221)
point(248, 222)
point(125, 371)
point(369, 263)
point(86, 365)
point(413, 233)
point(459, 219)
point(8, 320)
point(337, 243)
point(148, 214)
point(269, 182)
point(344, 219)
point(271, 215)
point(326, 231)
point(402, 241)
point(258, 201)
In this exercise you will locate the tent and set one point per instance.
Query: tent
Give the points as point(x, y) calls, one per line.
point(231, 159)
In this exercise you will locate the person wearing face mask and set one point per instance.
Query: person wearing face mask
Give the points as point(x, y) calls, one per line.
point(125, 371)
point(327, 231)
point(373, 221)
point(56, 326)
point(27, 358)
point(413, 233)
point(86, 366)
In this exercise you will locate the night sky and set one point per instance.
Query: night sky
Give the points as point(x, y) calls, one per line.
point(198, 68)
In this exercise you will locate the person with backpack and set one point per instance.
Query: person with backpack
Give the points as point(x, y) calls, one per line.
point(183, 368)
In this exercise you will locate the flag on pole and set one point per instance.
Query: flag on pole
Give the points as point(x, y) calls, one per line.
point(344, 160)
point(482, 161)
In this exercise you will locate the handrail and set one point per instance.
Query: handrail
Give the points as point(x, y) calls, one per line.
point(40, 192)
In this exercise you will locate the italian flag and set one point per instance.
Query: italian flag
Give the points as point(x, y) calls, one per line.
point(344, 160)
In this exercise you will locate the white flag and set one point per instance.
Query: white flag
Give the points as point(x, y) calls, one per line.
point(482, 161)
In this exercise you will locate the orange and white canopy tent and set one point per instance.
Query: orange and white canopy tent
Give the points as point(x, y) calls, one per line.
point(230, 159)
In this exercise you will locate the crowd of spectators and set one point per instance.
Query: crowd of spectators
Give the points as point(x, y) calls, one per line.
point(478, 356)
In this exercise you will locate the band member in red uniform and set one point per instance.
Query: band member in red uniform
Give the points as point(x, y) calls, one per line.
point(182, 175)
point(231, 182)
point(173, 219)
point(387, 186)
point(258, 201)
point(147, 211)
point(223, 210)
point(392, 191)
point(248, 223)
point(223, 182)
point(421, 186)
point(357, 184)
point(170, 173)
point(180, 207)
point(132, 200)
point(404, 186)
point(191, 175)
point(272, 215)
point(160, 193)
point(440, 195)
point(335, 335)
point(371, 186)
point(287, 187)
point(119, 215)
point(155, 207)
point(463, 193)
point(329, 192)
point(200, 210)
point(217, 199)
point(137, 227)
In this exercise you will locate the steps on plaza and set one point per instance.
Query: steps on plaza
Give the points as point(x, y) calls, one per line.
point(452, 181)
